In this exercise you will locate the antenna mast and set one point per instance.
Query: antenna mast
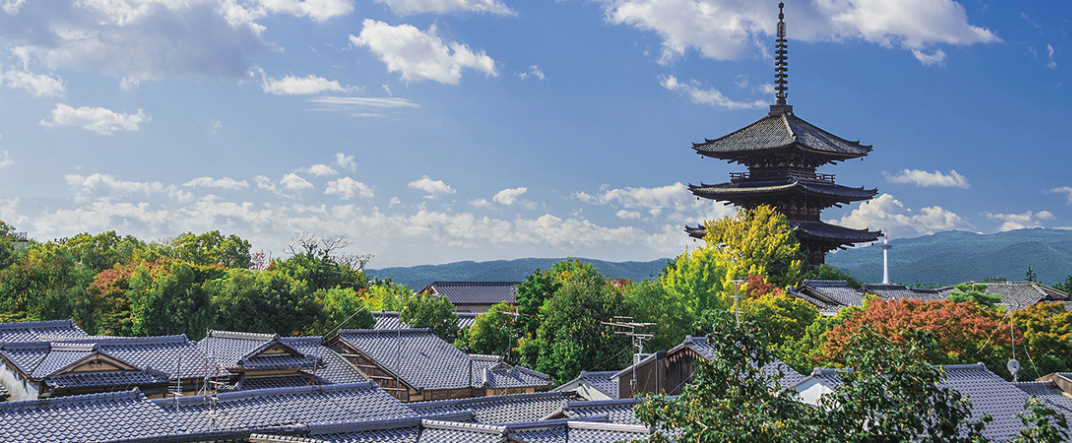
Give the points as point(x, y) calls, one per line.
point(636, 338)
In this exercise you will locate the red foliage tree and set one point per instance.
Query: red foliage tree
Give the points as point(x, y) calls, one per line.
point(964, 332)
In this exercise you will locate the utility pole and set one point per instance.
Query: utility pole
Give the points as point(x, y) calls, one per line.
point(737, 299)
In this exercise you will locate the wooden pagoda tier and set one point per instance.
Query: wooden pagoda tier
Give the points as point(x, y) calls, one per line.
point(781, 144)
point(797, 198)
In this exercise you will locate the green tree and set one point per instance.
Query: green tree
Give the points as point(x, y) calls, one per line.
point(266, 302)
point(975, 293)
point(1047, 337)
point(827, 272)
point(1030, 275)
point(44, 290)
point(650, 302)
point(211, 248)
point(893, 395)
point(8, 253)
point(495, 333)
point(317, 261)
point(784, 317)
point(342, 308)
point(532, 294)
point(1042, 424)
point(571, 338)
point(730, 397)
point(759, 242)
point(1065, 286)
point(700, 278)
point(172, 300)
point(434, 313)
point(384, 295)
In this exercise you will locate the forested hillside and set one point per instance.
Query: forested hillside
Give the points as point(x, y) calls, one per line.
point(417, 277)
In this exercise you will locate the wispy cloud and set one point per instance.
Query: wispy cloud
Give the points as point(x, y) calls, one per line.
point(1024, 220)
point(434, 188)
point(100, 120)
point(710, 97)
point(925, 179)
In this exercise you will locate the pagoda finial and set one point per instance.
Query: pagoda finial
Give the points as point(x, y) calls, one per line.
point(781, 65)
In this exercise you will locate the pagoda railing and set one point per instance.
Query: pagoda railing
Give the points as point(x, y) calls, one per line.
point(747, 176)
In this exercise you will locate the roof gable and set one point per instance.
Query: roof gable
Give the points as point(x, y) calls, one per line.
point(417, 357)
point(781, 131)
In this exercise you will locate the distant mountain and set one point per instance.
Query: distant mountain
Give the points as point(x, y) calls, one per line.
point(417, 277)
point(953, 257)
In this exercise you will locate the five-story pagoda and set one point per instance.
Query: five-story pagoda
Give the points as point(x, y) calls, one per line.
point(782, 153)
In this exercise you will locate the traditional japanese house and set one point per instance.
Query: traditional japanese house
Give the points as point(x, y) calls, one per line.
point(782, 153)
point(260, 361)
point(473, 296)
point(416, 365)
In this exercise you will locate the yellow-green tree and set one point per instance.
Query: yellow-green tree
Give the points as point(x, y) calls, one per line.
point(759, 242)
point(699, 279)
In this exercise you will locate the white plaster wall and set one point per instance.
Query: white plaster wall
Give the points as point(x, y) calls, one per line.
point(18, 388)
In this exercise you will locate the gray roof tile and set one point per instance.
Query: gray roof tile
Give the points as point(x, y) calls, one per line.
point(781, 131)
point(902, 292)
point(112, 416)
point(286, 406)
point(1049, 392)
point(616, 411)
point(392, 319)
point(453, 432)
point(579, 431)
point(333, 368)
point(499, 409)
point(424, 361)
point(605, 382)
point(468, 292)
point(33, 330)
point(1018, 294)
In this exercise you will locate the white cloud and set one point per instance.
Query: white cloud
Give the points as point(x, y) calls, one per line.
point(923, 178)
point(100, 120)
point(675, 199)
point(265, 183)
point(434, 188)
point(418, 55)
point(347, 188)
point(509, 196)
point(732, 30)
point(935, 58)
point(293, 182)
point(624, 214)
point(534, 72)
point(140, 40)
point(404, 7)
point(318, 10)
point(1049, 51)
point(359, 106)
point(221, 183)
point(291, 85)
point(320, 170)
point(5, 159)
point(710, 97)
point(345, 161)
point(1064, 190)
point(86, 186)
point(887, 213)
point(482, 203)
point(129, 83)
point(40, 85)
point(1025, 220)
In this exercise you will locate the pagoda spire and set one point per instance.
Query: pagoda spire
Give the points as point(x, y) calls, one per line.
point(781, 67)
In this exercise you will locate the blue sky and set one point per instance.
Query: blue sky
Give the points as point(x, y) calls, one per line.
point(431, 131)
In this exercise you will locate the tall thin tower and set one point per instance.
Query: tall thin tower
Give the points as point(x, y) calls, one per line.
point(886, 246)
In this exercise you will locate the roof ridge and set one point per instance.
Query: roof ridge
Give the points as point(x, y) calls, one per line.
point(24, 345)
point(384, 331)
point(271, 392)
point(72, 347)
point(597, 403)
point(621, 427)
point(303, 339)
point(475, 283)
point(241, 335)
point(365, 425)
point(74, 399)
point(122, 341)
point(468, 427)
point(38, 324)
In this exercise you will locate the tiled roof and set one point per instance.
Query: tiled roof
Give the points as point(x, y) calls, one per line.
point(74, 380)
point(95, 417)
point(828, 295)
point(805, 188)
point(602, 381)
point(392, 319)
point(246, 350)
point(616, 411)
point(988, 394)
point(827, 232)
point(424, 361)
point(453, 432)
point(333, 368)
point(781, 131)
point(1018, 294)
point(249, 383)
point(1045, 390)
point(490, 371)
point(286, 406)
point(501, 409)
point(578, 431)
point(901, 292)
point(406, 430)
point(33, 330)
point(480, 293)
point(168, 356)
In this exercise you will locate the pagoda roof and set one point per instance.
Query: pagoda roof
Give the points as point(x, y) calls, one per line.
point(817, 230)
point(791, 185)
point(778, 131)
